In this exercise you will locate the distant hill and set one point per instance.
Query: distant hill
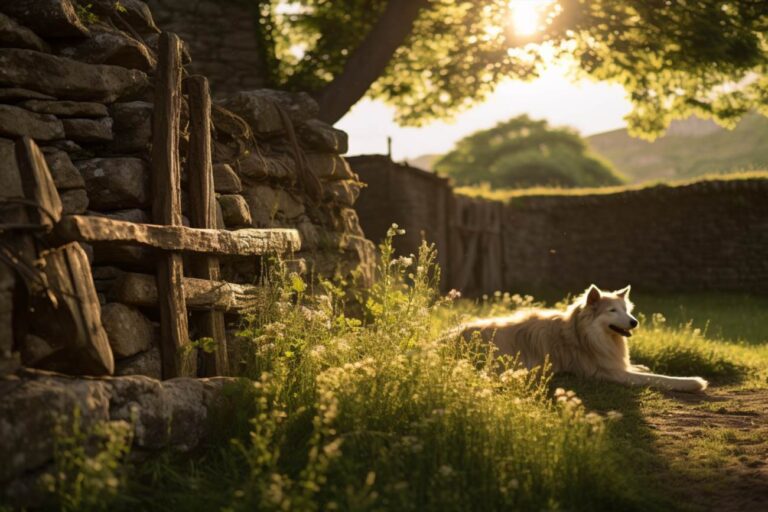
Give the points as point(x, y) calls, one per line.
point(690, 148)
point(424, 161)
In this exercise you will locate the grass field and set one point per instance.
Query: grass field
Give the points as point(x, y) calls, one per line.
point(375, 413)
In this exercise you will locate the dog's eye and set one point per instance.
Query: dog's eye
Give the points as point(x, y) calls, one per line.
point(612, 310)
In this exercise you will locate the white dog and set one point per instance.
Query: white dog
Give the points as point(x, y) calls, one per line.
point(588, 340)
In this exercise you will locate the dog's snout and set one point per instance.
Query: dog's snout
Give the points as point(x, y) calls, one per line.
point(633, 322)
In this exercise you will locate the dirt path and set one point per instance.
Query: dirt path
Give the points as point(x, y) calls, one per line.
point(717, 445)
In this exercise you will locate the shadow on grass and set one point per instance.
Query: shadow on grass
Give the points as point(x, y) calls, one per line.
point(632, 439)
point(674, 361)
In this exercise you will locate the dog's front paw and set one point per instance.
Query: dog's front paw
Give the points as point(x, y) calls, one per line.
point(701, 384)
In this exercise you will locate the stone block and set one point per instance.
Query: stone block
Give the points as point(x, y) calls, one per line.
point(234, 210)
point(66, 108)
point(266, 203)
point(316, 135)
point(74, 201)
point(132, 126)
point(147, 363)
point(259, 167)
point(47, 18)
point(329, 167)
point(15, 122)
point(344, 193)
point(260, 108)
point(88, 130)
point(226, 180)
point(65, 174)
point(135, 12)
point(14, 35)
point(69, 79)
point(111, 46)
point(17, 94)
point(116, 183)
point(29, 410)
point(129, 331)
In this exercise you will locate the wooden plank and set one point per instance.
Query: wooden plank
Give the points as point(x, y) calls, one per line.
point(73, 325)
point(242, 242)
point(13, 304)
point(37, 183)
point(177, 356)
point(203, 214)
point(199, 294)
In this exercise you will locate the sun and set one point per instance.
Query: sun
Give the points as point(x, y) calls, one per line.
point(527, 16)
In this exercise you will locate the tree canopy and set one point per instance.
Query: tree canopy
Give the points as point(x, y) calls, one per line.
point(523, 152)
point(432, 58)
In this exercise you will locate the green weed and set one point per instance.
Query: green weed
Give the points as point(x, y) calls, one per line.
point(87, 472)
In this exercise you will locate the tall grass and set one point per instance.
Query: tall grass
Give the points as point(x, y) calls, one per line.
point(379, 412)
point(376, 413)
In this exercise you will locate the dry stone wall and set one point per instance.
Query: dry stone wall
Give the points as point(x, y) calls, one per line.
point(157, 415)
point(79, 80)
point(414, 199)
point(83, 90)
point(222, 37)
point(707, 235)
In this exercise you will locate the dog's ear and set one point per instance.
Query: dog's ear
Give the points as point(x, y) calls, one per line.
point(593, 295)
point(624, 292)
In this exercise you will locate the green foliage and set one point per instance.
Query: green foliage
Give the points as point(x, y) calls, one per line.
point(674, 58)
point(382, 413)
point(522, 152)
point(85, 13)
point(87, 464)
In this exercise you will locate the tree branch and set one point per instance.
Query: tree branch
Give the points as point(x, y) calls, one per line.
point(369, 60)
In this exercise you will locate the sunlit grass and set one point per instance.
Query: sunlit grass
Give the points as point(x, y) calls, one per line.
point(379, 412)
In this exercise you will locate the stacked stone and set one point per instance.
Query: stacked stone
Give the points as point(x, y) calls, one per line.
point(274, 186)
point(79, 81)
point(222, 37)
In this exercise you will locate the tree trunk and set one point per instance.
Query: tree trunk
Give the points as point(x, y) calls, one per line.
point(369, 60)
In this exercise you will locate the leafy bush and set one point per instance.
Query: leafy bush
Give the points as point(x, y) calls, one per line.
point(523, 152)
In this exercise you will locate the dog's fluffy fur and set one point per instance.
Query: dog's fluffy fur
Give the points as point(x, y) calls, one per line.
point(588, 339)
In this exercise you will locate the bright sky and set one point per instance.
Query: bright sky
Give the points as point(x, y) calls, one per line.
point(590, 107)
point(556, 96)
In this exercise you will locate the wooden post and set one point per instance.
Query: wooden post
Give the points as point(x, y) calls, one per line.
point(178, 357)
point(203, 214)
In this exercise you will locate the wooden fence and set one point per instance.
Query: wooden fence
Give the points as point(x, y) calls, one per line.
point(34, 230)
point(475, 245)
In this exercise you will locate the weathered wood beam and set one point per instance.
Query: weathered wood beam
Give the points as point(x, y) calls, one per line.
point(202, 214)
point(177, 357)
point(199, 294)
point(243, 242)
point(37, 183)
point(61, 292)
point(74, 325)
